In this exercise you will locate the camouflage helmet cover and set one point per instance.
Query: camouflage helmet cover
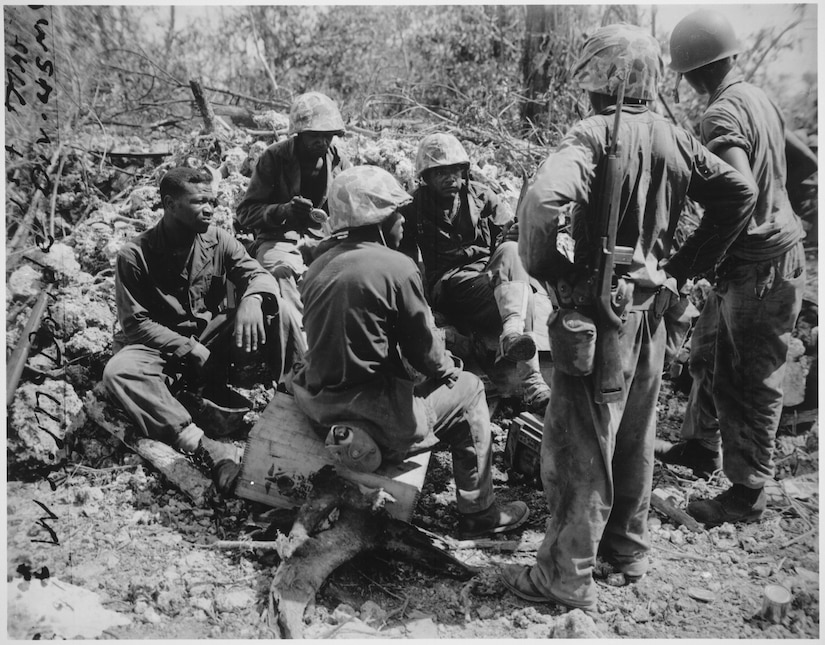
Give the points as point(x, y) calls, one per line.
point(617, 52)
point(364, 195)
point(438, 150)
point(315, 112)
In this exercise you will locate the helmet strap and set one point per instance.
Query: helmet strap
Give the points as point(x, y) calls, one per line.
point(676, 88)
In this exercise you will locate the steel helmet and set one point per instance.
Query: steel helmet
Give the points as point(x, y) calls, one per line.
point(363, 195)
point(701, 38)
point(617, 52)
point(438, 150)
point(315, 112)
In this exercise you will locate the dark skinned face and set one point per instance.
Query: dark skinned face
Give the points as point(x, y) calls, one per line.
point(193, 209)
point(445, 181)
point(314, 145)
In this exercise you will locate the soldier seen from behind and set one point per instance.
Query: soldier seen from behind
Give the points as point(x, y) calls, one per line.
point(740, 344)
point(597, 457)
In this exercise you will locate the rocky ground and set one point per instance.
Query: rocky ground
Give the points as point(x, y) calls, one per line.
point(99, 545)
point(120, 532)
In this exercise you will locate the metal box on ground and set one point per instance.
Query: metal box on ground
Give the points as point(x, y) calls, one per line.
point(522, 453)
point(283, 451)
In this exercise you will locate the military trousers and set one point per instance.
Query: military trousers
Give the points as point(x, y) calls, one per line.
point(757, 307)
point(458, 415)
point(597, 469)
point(466, 295)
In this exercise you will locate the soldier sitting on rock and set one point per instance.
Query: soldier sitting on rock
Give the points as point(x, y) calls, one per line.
point(285, 200)
point(170, 286)
point(474, 278)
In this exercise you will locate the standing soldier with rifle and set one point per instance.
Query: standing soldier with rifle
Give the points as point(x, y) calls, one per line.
point(626, 172)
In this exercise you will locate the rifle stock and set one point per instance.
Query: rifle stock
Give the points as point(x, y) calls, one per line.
point(608, 369)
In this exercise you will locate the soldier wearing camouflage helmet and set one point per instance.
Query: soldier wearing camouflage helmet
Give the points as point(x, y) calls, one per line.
point(364, 308)
point(736, 402)
point(286, 193)
point(597, 458)
point(474, 278)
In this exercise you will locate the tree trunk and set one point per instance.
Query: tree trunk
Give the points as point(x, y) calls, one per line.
point(338, 521)
point(541, 22)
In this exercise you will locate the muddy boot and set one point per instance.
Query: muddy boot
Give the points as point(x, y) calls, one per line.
point(535, 391)
point(691, 453)
point(216, 458)
point(737, 504)
point(512, 299)
point(499, 518)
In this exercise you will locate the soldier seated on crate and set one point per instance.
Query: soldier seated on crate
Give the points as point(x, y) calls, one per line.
point(364, 309)
point(472, 271)
point(170, 286)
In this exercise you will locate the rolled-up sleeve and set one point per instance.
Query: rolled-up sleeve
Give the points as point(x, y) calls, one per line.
point(721, 129)
point(728, 198)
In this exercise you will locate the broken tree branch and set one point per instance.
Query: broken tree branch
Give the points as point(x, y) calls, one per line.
point(203, 105)
point(666, 507)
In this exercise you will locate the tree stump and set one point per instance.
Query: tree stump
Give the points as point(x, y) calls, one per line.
point(338, 521)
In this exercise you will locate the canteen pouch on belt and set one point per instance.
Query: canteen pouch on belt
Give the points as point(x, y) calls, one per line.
point(352, 446)
point(572, 342)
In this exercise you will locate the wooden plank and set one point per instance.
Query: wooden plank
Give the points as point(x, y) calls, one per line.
point(283, 451)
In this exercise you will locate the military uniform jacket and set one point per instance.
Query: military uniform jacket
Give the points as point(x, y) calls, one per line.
point(364, 308)
point(662, 166)
point(163, 303)
point(276, 179)
point(449, 241)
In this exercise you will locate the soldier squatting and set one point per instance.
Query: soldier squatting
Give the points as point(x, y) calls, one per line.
point(347, 269)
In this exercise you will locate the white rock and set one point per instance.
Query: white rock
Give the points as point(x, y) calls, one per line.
point(234, 599)
point(152, 616)
point(575, 624)
point(55, 608)
point(485, 612)
point(25, 281)
point(343, 612)
point(372, 613)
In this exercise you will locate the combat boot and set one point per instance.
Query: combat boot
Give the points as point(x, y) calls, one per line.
point(499, 518)
point(534, 389)
point(217, 459)
point(512, 299)
point(737, 504)
point(691, 453)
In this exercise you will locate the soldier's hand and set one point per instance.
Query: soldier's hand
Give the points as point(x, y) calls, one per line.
point(249, 324)
point(298, 213)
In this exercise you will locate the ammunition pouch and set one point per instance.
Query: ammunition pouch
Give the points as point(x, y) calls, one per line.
point(572, 342)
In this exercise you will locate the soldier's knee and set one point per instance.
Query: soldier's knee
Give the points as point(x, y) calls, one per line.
point(113, 371)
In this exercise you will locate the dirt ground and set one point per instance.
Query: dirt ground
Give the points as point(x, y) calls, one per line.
point(121, 533)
